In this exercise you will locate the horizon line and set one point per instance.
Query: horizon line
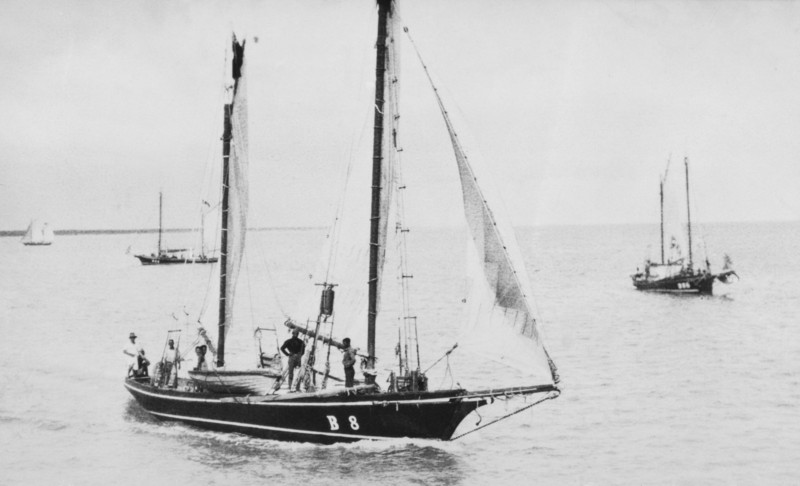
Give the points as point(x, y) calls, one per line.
point(12, 233)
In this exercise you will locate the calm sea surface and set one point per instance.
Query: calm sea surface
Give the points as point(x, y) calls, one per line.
point(657, 389)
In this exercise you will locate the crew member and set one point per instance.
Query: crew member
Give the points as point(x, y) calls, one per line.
point(201, 358)
point(348, 361)
point(137, 360)
point(294, 348)
point(170, 366)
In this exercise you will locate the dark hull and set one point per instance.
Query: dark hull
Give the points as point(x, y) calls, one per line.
point(324, 418)
point(167, 260)
point(683, 284)
point(35, 243)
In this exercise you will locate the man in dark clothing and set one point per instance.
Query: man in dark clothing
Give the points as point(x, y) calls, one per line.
point(294, 348)
point(348, 361)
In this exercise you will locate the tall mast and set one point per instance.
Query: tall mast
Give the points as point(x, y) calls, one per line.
point(223, 252)
point(384, 8)
point(688, 211)
point(661, 195)
point(159, 223)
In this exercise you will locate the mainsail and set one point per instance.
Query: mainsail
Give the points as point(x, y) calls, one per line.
point(676, 243)
point(384, 137)
point(391, 119)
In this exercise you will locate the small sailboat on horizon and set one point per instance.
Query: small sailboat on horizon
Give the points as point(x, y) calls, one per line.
point(676, 271)
point(38, 234)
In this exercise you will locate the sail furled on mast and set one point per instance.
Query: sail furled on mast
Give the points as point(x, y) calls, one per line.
point(384, 136)
point(237, 184)
point(391, 117)
point(500, 298)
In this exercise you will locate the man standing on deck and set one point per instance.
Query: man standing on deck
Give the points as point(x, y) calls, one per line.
point(348, 361)
point(170, 366)
point(294, 348)
point(136, 354)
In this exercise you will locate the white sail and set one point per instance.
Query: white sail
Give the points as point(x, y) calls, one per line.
point(28, 237)
point(47, 233)
point(238, 187)
point(499, 303)
point(499, 299)
point(676, 241)
point(390, 125)
point(38, 233)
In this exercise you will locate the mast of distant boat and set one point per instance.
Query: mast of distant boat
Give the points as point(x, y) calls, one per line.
point(688, 212)
point(202, 231)
point(384, 7)
point(661, 195)
point(160, 210)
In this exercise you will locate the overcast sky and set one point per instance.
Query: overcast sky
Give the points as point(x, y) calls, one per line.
point(576, 106)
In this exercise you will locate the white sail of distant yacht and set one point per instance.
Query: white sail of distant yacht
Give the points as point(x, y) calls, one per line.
point(38, 234)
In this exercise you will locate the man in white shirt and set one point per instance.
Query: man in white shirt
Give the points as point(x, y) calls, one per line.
point(134, 351)
point(171, 359)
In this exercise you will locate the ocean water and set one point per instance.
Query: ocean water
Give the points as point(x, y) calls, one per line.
point(657, 389)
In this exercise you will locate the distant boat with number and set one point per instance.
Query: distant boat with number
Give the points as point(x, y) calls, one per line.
point(167, 256)
point(38, 234)
point(676, 272)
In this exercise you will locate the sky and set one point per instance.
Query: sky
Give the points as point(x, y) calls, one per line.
point(575, 107)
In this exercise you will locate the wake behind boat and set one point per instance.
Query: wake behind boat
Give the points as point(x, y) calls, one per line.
point(676, 272)
point(322, 410)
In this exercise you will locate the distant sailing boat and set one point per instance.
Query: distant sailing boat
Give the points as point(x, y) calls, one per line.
point(175, 255)
point(313, 412)
point(38, 234)
point(676, 271)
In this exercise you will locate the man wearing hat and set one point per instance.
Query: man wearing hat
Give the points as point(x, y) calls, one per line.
point(135, 352)
point(294, 348)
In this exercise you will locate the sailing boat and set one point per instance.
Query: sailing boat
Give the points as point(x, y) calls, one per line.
point(38, 234)
point(319, 414)
point(676, 271)
point(175, 255)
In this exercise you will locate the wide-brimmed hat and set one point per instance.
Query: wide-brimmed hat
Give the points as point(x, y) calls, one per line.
point(133, 335)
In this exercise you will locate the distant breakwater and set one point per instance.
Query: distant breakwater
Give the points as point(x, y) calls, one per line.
point(72, 232)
